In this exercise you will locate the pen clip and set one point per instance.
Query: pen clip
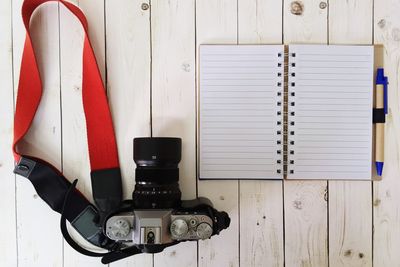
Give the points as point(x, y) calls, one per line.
point(385, 95)
point(383, 80)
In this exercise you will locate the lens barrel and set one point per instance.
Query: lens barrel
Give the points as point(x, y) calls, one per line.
point(157, 172)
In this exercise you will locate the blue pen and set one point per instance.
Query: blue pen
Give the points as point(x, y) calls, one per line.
point(380, 111)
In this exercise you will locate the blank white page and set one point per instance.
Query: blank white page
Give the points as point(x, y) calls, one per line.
point(241, 100)
point(330, 112)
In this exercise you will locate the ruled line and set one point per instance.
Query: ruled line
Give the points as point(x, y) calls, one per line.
point(222, 158)
point(238, 79)
point(333, 54)
point(237, 60)
point(329, 165)
point(239, 67)
point(331, 61)
point(331, 79)
point(332, 67)
point(333, 116)
point(241, 170)
point(325, 171)
point(239, 164)
point(336, 134)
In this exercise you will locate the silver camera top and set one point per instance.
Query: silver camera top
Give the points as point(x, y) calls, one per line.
point(158, 226)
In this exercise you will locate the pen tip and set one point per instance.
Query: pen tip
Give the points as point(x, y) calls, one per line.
point(379, 168)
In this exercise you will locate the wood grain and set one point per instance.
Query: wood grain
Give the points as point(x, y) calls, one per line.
point(216, 23)
point(386, 193)
point(306, 228)
point(128, 87)
point(40, 248)
point(350, 202)
point(173, 100)
point(8, 240)
point(261, 202)
point(75, 156)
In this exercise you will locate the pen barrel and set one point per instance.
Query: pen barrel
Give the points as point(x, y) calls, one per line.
point(379, 96)
point(379, 142)
point(380, 127)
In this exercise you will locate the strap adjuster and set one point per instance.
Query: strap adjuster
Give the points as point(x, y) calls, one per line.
point(24, 167)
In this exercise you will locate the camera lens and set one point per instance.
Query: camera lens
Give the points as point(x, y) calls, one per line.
point(157, 173)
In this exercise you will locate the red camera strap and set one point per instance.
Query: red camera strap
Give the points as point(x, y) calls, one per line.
point(102, 146)
point(50, 184)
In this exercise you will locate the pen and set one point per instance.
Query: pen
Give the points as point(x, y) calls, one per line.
point(380, 112)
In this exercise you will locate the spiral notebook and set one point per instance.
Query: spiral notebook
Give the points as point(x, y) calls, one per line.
point(295, 112)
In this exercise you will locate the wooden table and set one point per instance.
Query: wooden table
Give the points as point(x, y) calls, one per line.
point(147, 53)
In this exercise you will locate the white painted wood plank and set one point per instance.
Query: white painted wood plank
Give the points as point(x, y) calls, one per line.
point(350, 22)
point(128, 87)
point(261, 223)
point(350, 202)
point(216, 23)
point(40, 248)
point(74, 138)
point(310, 26)
point(305, 206)
point(387, 192)
point(173, 100)
point(260, 22)
point(305, 224)
point(261, 202)
point(8, 235)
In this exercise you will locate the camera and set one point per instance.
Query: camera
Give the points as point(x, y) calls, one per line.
point(156, 217)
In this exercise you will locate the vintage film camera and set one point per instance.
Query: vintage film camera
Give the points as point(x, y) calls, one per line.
point(156, 216)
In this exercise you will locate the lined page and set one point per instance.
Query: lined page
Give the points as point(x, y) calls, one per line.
point(241, 100)
point(330, 112)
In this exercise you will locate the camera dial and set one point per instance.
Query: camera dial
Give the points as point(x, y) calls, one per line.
point(179, 228)
point(120, 227)
point(204, 231)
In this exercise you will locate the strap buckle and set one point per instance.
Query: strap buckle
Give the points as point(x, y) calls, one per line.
point(24, 167)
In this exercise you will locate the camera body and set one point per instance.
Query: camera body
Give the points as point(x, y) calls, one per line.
point(156, 216)
point(144, 227)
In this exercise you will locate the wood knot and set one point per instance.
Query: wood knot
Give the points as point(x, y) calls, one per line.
point(326, 195)
point(348, 253)
point(382, 23)
point(297, 204)
point(186, 67)
point(361, 255)
point(377, 202)
point(296, 8)
point(221, 198)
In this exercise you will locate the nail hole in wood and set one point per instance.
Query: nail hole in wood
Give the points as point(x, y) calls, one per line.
point(145, 6)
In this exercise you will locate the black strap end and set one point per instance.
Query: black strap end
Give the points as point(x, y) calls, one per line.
point(24, 167)
point(107, 189)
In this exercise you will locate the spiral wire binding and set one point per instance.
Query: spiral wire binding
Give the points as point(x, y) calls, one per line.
point(291, 84)
point(281, 94)
point(281, 75)
point(287, 114)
